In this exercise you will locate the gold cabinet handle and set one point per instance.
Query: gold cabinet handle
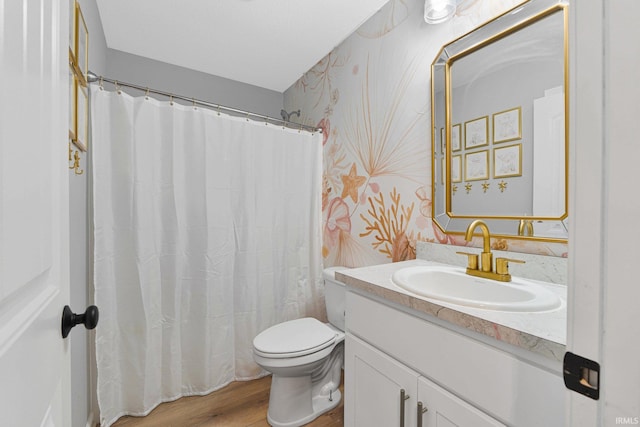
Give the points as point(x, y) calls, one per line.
point(421, 410)
point(472, 260)
point(403, 397)
point(502, 264)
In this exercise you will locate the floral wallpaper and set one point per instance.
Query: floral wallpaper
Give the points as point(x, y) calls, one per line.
point(371, 96)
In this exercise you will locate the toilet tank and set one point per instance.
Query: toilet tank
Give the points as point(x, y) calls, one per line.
point(334, 296)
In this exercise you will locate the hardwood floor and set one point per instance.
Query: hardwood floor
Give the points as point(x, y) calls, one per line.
point(240, 404)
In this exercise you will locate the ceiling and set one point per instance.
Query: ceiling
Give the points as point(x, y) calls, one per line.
point(266, 43)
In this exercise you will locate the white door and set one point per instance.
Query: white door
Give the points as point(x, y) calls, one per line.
point(548, 145)
point(34, 230)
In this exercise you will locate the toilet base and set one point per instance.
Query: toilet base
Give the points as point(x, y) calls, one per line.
point(295, 401)
point(320, 404)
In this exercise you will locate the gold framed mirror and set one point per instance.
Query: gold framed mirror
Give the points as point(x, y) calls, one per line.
point(500, 138)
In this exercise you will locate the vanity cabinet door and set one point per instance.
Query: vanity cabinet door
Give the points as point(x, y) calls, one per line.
point(444, 409)
point(373, 386)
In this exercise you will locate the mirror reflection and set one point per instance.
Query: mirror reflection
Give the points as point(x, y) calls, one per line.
point(499, 134)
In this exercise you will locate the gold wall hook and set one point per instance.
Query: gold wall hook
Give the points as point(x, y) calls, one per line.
point(76, 163)
point(468, 187)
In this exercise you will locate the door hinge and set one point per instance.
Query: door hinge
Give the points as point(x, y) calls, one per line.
point(581, 375)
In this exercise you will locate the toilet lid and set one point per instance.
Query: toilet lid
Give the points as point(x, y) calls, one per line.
point(294, 338)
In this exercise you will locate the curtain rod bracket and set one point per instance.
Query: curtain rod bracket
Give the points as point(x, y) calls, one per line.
point(92, 77)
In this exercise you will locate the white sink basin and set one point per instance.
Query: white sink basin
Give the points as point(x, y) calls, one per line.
point(453, 285)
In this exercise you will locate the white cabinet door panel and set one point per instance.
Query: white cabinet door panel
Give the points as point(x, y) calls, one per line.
point(373, 383)
point(446, 410)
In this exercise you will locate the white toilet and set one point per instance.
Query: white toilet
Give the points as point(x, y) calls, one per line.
point(305, 357)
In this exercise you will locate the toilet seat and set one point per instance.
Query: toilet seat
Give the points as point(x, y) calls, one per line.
point(294, 338)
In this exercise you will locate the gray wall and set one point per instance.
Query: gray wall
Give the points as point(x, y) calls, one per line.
point(193, 84)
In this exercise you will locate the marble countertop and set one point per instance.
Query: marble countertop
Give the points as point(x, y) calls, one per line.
point(540, 332)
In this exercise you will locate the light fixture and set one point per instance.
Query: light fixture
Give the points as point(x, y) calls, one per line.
point(437, 11)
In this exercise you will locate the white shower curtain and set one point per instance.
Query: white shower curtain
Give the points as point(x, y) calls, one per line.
point(207, 231)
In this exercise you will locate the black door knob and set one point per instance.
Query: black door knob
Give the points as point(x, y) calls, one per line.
point(69, 319)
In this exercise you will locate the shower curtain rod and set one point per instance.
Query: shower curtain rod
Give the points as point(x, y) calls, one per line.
point(92, 78)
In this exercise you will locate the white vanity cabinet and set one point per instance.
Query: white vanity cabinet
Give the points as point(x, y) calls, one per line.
point(383, 392)
point(459, 380)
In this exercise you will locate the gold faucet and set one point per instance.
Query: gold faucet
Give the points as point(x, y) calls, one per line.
point(525, 228)
point(485, 267)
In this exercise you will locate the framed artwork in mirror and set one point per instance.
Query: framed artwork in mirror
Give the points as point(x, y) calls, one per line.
point(476, 132)
point(476, 166)
point(455, 137)
point(456, 164)
point(507, 125)
point(507, 161)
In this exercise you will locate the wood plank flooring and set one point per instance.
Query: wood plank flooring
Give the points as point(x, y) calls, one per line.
point(240, 404)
